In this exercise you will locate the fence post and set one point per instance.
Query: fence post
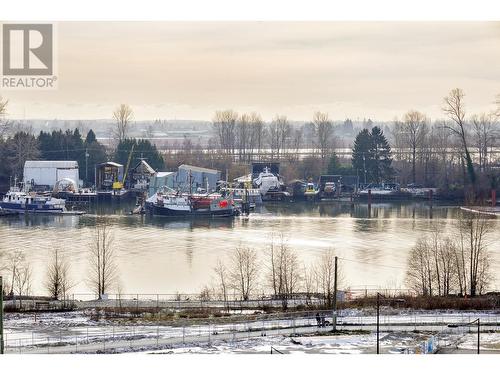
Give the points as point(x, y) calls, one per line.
point(157, 336)
point(183, 335)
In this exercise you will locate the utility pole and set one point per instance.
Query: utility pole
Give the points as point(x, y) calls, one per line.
point(478, 334)
point(1, 315)
point(378, 322)
point(364, 165)
point(334, 320)
point(86, 165)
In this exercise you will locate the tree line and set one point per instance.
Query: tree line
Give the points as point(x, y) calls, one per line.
point(453, 265)
point(456, 152)
point(18, 144)
point(101, 277)
point(460, 151)
point(245, 274)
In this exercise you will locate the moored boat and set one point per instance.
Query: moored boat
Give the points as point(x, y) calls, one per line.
point(22, 202)
point(169, 203)
point(19, 201)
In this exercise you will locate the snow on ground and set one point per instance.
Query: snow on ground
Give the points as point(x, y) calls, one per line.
point(338, 344)
point(82, 326)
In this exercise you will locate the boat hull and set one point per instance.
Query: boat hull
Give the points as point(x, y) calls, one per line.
point(157, 210)
point(30, 208)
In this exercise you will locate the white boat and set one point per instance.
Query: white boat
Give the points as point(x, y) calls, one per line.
point(382, 190)
point(270, 186)
point(17, 201)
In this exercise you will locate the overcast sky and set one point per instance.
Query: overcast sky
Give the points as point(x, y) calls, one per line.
point(188, 70)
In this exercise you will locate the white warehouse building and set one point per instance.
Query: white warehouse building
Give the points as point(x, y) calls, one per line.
point(48, 172)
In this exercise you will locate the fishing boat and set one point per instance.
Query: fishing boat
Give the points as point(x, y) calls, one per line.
point(19, 201)
point(170, 203)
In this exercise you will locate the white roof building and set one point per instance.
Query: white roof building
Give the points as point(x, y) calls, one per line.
point(48, 172)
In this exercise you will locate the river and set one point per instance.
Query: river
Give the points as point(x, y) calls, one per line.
point(156, 255)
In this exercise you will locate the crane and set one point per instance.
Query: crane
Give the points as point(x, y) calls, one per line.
point(118, 185)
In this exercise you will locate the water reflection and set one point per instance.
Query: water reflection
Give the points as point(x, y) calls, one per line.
point(164, 255)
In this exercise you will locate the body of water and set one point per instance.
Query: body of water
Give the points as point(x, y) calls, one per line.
point(156, 255)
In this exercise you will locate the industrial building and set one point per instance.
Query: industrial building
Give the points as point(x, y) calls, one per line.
point(161, 179)
point(139, 177)
point(200, 177)
point(106, 174)
point(43, 174)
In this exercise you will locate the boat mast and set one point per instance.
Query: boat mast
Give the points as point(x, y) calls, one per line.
point(190, 182)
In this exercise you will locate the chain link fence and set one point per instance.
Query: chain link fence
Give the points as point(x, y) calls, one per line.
point(123, 338)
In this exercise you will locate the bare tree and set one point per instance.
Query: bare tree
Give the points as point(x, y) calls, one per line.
point(415, 129)
point(473, 230)
point(398, 140)
point(323, 129)
point(296, 143)
point(103, 269)
point(21, 275)
point(455, 109)
point(257, 132)
point(123, 116)
point(439, 265)
point(224, 125)
point(222, 281)
point(284, 274)
point(309, 282)
point(243, 132)
point(441, 141)
point(14, 263)
point(484, 127)
point(279, 132)
point(4, 124)
point(57, 280)
point(325, 275)
point(420, 273)
point(244, 271)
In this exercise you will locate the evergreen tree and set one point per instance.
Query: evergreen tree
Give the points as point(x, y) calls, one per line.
point(381, 159)
point(91, 138)
point(361, 154)
point(371, 156)
point(143, 148)
point(336, 168)
point(96, 155)
point(69, 145)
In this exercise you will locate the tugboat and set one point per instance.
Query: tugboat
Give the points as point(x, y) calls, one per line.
point(170, 203)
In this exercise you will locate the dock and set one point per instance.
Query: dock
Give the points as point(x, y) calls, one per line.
point(494, 211)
